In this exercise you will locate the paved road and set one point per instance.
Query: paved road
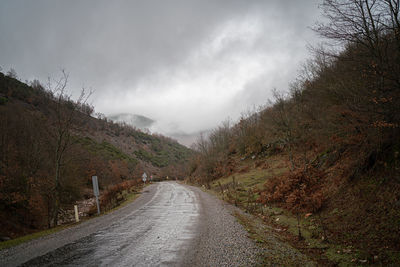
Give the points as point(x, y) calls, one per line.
point(168, 225)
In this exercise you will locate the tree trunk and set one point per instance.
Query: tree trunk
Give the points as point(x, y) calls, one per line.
point(56, 200)
point(299, 228)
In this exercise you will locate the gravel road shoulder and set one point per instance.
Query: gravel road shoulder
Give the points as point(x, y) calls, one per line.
point(222, 241)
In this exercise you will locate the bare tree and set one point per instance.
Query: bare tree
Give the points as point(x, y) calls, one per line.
point(66, 122)
point(371, 24)
point(284, 124)
point(359, 21)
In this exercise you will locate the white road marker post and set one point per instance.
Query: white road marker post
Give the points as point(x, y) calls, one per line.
point(76, 213)
point(96, 192)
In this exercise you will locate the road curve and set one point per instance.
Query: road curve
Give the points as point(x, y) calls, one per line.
point(168, 225)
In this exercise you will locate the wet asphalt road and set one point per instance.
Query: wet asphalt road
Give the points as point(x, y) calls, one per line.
point(168, 225)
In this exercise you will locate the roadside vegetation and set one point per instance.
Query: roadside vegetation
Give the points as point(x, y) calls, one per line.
point(322, 160)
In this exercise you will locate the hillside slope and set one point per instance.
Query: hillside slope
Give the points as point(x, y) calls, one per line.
point(29, 126)
point(335, 136)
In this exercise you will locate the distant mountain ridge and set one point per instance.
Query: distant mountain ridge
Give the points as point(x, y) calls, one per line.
point(138, 121)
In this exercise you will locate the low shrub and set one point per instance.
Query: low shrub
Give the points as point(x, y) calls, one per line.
point(3, 100)
point(299, 191)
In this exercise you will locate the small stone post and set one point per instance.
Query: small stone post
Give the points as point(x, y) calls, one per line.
point(76, 213)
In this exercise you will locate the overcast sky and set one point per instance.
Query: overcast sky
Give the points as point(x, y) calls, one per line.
point(187, 64)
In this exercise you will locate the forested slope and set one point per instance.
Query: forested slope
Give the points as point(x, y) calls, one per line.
point(50, 146)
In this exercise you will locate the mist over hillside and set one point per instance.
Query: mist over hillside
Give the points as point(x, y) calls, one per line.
point(147, 124)
point(137, 121)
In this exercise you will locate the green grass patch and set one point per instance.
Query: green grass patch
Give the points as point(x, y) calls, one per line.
point(311, 230)
point(245, 189)
point(159, 160)
point(3, 100)
point(164, 154)
point(26, 238)
point(105, 150)
point(163, 151)
point(343, 256)
point(245, 181)
point(254, 178)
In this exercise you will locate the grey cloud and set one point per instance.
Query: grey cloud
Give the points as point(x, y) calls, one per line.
point(157, 58)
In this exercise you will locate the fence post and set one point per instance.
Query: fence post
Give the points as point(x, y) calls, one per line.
point(222, 190)
point(76, 213)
